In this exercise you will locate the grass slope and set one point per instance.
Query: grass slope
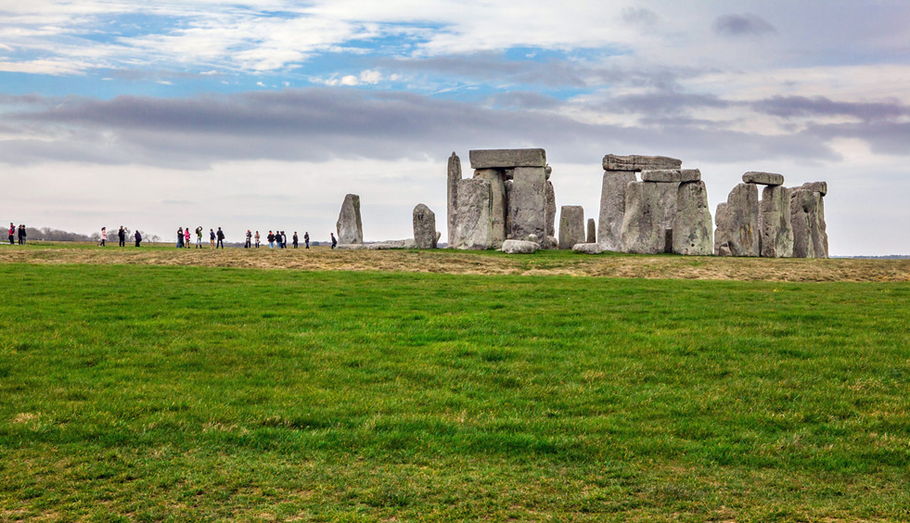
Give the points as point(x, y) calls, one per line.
point(143, 393)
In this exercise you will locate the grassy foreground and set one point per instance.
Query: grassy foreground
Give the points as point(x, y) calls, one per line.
point(144, 393)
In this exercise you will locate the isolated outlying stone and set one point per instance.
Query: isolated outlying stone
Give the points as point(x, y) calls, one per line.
point(588, 248)
point(807, 215)
point(349, 225)
point(591, 236)
point(507, 158)
point(571, 226)
point(613, 208)
point(737, 232)
point(473, 224)
point(762, 178)
point(520, 247)
point(692, 225)
point(611, 162)
point(671, 175)
point(774, 220)
point(424, 221)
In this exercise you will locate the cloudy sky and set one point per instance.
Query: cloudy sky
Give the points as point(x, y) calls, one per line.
point(263, 114)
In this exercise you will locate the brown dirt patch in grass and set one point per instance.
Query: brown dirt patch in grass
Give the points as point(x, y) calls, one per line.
point(461, 262)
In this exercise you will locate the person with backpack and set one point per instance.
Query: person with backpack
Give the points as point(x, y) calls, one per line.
point(220, 236)
point(138, 237)
point(212, 237)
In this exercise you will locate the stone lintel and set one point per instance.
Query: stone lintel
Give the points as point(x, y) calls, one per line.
point(639, 163)
point(763, 178)
point(507, 158)
point(671, 175)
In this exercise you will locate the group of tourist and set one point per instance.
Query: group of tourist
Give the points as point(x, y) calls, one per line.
point(121, 237)
point(277, 239)
point(216, 239)
point(15, 232)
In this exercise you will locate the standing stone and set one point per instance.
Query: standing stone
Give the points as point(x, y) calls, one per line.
point(424, 227)
point(591, 237)
point(473, 223)
point(453, 177)
point(571, 226)
point(776, 228)
point(807, 215)
point(641, 225)
point(737, 232)
point(508, 186)
point(528, 203)
point(612, 208)
point(667, 194)
point(692, 225)
point(551, 216)
point(500, 205)
point(349, 226)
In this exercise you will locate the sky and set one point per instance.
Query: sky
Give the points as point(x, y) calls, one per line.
point(263, 114)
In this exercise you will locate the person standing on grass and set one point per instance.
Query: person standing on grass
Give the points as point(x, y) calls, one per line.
point(186, 234)
point(284, 240)
point(271, 239)
point(103, 236)
point(212, 237)
point(121, 235)
point(180, 238)
point(138, 237)
point(22, 234)
point(12, 230)
point(257, 239)
point(295, 239)
point(220, 236)
point(249, 239)
point(199, 231)
point(334, 241)
point(306, 239)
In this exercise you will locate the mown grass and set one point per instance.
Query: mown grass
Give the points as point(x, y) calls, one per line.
point(141, 393)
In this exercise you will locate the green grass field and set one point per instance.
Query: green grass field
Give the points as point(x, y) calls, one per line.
point(142, 393)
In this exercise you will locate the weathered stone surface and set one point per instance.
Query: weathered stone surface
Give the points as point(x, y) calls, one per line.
point(424, 227)
point(551, 209)
point(671, 175)
point(636, 163)
point(737, 223)
point(763, 178)
point(692, 226)
point(667, 195)
point(588, 248)
point(409, 243)
point(453, 176)
point(503, 158)
point(776, 228)
point(520, 247)
point(549, 171)
point(349, 225)
point(819, 187)
point(473, 223)
point(641, 225)
point(807, 215)
point(571, 226)
point(591, 236)
point(528, 203)
point(500, 205)
point(612, 208)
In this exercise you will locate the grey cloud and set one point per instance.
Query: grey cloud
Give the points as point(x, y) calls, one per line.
point(663, 103)
point(524, 100)
point(800, 106)
point(639, 16)
point(742, 25)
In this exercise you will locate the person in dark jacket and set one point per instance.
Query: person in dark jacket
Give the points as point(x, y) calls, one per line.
point(295, 239)
point(138, 237)
point(220, 236)
point(306, 239)
point(284, 240)
point(334, 241)
point(249, 239)
point(180, 238)
point(22, 234)
point(271, 239)
point(121, 235)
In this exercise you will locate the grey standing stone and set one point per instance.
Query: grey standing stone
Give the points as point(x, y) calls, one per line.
point(571, 226)
point(667, 195)
point(692, 225)
point(520, 247)
point(453, 176)
point(737, 223)
point(500, 204)
point(776, 228)
point(424, 227)
point(528, 203)
point(473, 223)
point(591, 237)
point(671, 175)
point(641, 226)
point(349, 226)
point(612, 208)
point(762, 178)
point(819, 187)
point(551, 209)
point(634, 162)
point(507, 158)
point(807, 215)
point(508, 185)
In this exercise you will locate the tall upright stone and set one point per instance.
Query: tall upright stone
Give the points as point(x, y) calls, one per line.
point(349, 225)
point(499, 204)
point(692, 225)
point(473, 220)
point(613, 208)
point(775, 222)
point(551, 209)
point(591, 237)
point(453, 176)
point(528, 203)
point(807, 215)
point(641, 225)
point(571, 226)
point(737, 232)
point(424, 221)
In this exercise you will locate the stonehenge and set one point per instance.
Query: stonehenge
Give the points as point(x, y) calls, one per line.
point(349, 225)
point(424, 221)
point(648, 205)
